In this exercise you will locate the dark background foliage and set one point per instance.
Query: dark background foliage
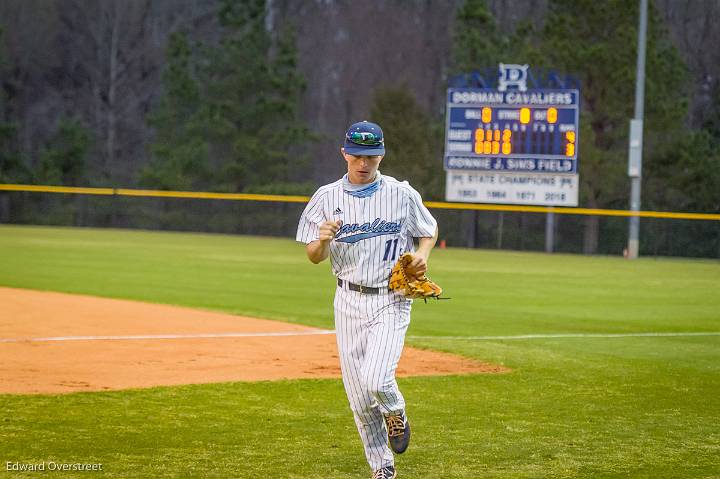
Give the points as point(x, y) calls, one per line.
point(254, 96)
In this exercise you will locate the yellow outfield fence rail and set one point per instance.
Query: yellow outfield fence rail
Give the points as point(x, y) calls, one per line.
point(205, 195)
point(303, 199)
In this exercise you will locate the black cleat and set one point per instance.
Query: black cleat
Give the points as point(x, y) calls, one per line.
point(398, 428)
point(385, 473)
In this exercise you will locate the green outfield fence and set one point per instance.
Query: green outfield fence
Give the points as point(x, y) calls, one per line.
point(576, 230)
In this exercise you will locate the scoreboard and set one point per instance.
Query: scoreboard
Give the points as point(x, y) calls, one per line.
point(512, 146)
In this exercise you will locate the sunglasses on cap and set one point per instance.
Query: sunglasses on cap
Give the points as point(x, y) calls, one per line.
point(364, 138)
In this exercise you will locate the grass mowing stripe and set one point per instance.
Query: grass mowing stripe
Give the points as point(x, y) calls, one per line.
point(571, 335)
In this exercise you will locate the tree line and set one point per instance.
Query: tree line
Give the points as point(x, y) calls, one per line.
point(226, 114)
point(226, 120)
point(597, 43)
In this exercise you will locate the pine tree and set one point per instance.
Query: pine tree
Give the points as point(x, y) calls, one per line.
point(63, 160)
point(254, 92)
point(180, 148)
point(577, 39)
point(228, 118)
point(479, 43)
point(12, 169)
point(413, 141)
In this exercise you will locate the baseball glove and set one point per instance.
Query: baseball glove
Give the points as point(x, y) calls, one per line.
point(409, 285)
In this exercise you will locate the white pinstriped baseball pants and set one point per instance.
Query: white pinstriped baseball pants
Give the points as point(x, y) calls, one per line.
point(370, 336)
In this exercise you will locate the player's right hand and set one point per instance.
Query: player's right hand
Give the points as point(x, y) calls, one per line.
point(418, 266)
point(329, 229)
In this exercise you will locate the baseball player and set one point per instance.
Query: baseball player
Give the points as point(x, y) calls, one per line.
point(364, 222)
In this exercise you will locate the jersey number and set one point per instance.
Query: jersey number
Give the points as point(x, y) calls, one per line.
point(388, 245)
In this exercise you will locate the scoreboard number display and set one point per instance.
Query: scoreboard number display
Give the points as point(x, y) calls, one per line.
point(515, 147)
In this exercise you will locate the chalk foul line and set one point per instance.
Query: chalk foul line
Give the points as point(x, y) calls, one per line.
point(168, 336)
point(328, 331)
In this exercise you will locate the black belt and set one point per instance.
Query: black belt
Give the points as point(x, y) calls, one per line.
point(359, 288)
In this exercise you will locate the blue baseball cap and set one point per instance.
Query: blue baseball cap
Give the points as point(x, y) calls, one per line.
point(365, 139)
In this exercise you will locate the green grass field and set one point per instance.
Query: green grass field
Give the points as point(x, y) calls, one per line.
point(582, 407)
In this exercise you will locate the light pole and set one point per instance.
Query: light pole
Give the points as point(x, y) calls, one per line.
point(636, 140)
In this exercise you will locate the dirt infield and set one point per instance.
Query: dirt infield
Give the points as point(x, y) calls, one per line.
point(59, 343)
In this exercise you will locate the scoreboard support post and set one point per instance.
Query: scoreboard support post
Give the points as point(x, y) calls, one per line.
point(550, 232)
point(472, 226)
point(501, 224)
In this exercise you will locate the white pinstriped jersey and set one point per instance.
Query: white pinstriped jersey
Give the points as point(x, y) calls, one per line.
point(375, 231)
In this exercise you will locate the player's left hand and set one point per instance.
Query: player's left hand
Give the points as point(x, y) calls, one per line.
point(413, 283)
